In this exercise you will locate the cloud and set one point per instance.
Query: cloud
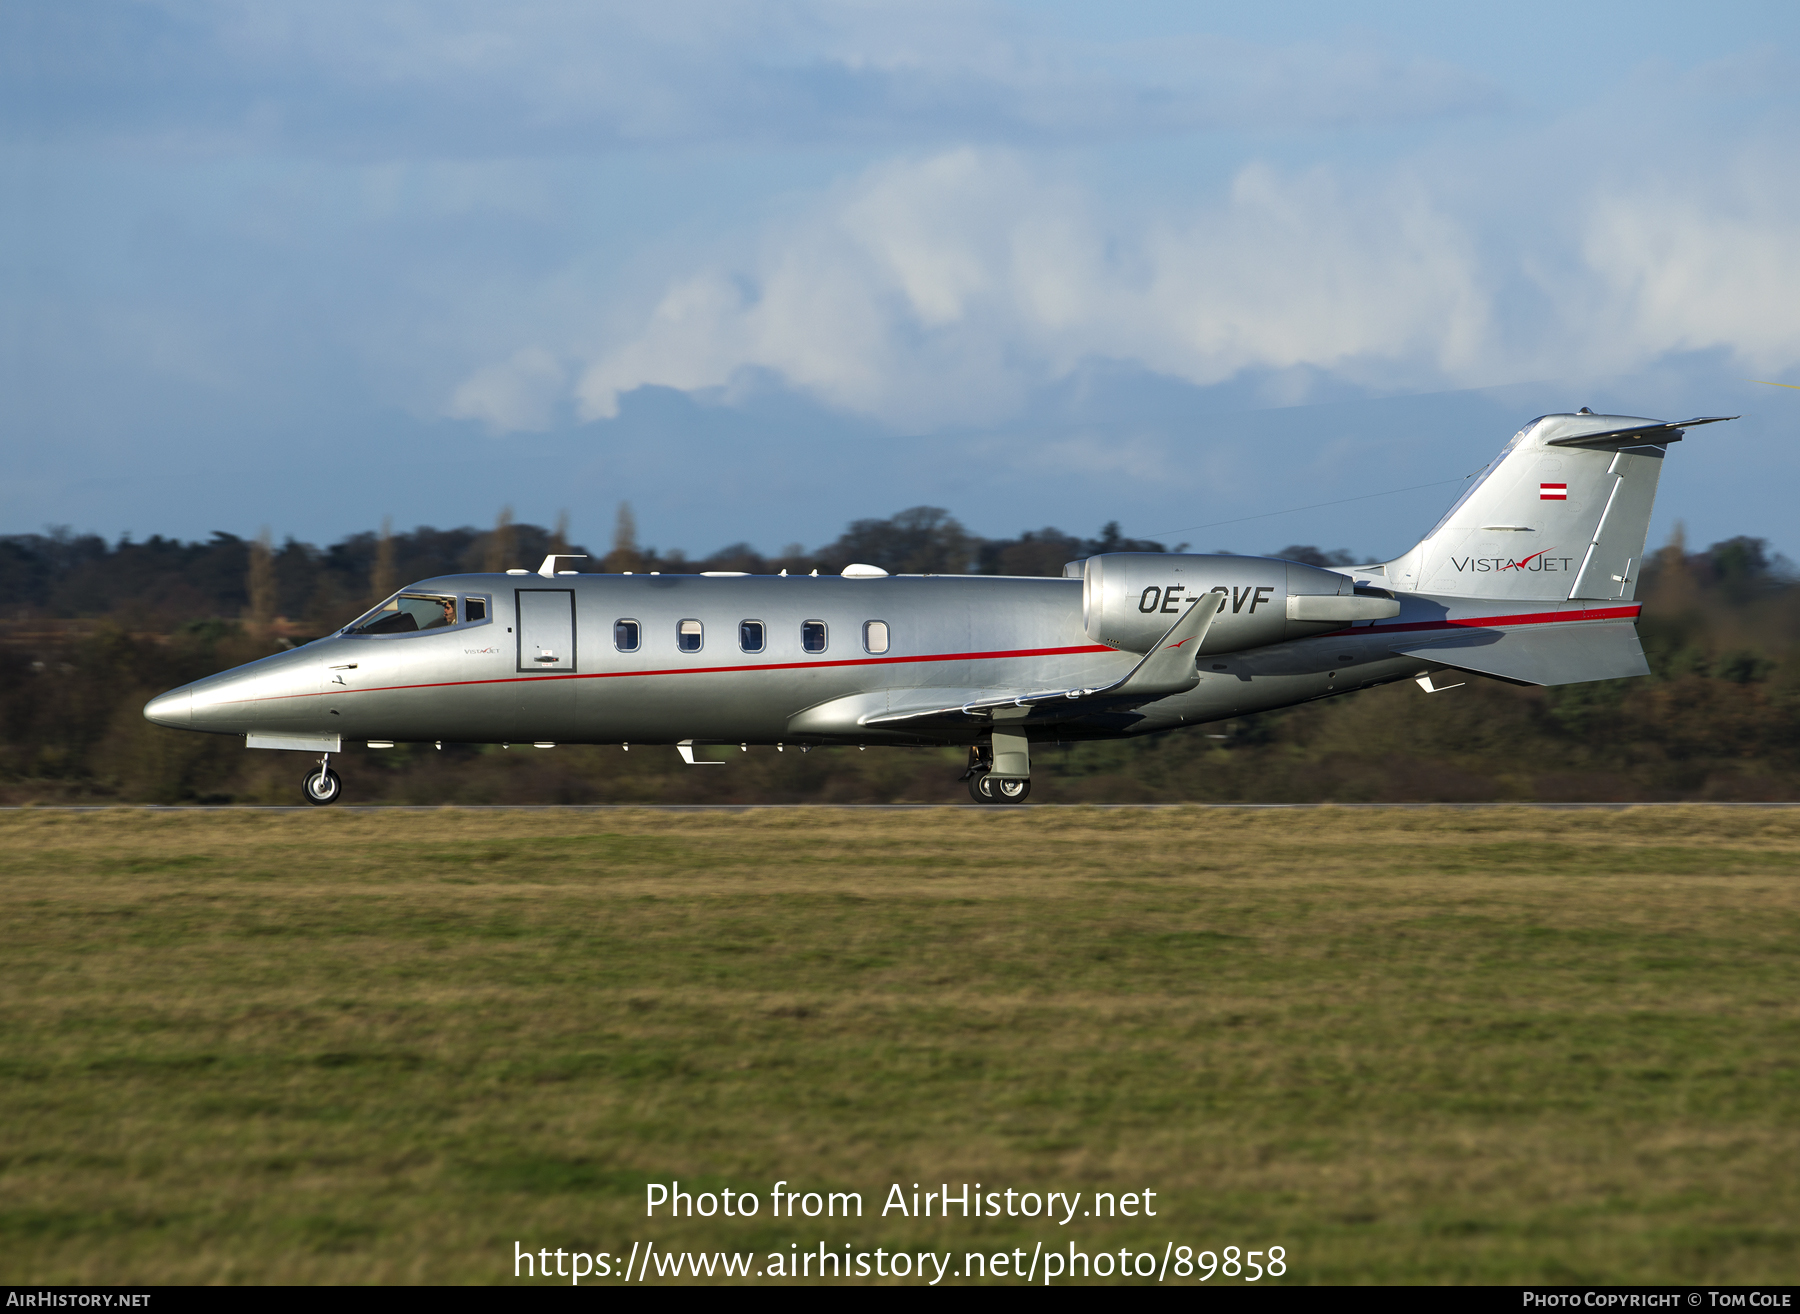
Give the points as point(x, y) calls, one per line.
point(945, 289)
point(1701, 267)
point(949, 289)
point(522, 392)
point(978, 257)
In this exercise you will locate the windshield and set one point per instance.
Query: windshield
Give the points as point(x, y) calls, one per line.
point(406, 614)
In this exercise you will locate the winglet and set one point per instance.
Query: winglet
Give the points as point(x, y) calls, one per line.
point(1169, 667)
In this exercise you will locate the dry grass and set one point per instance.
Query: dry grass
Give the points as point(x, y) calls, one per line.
point(1492, 1046)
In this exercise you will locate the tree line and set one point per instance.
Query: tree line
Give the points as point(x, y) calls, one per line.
point(90, 630)
point(160, 584)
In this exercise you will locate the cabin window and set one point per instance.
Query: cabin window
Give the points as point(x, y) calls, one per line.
point(475, 609)
point(625, 635)
point(875, 636)
point(408, 613)
point(812, 636)
point(688, 635)
point(750, 636)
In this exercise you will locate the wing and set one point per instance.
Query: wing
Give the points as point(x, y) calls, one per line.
point(1168, 668)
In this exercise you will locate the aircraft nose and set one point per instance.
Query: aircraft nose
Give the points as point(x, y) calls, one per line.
point(175, 709)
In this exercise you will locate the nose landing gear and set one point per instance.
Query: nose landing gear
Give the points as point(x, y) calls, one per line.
point(322, 786)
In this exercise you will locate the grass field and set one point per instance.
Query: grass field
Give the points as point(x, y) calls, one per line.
point(1486, 1046)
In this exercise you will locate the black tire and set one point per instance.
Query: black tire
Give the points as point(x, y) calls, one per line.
point(983, 788)
point(322, 788)
point(1009, 791)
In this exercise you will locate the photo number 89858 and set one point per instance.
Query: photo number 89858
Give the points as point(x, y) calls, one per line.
point(1231, 1262)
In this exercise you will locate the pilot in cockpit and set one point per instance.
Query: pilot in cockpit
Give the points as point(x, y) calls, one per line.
point(408, 613)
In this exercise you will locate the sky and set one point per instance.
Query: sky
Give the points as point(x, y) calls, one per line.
point(1237, 276)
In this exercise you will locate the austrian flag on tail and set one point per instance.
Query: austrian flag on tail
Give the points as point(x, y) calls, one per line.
point(1553, 492)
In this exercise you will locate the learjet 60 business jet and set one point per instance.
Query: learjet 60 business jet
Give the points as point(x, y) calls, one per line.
point(1528, 578)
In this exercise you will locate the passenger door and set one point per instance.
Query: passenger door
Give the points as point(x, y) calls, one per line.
point(546, 630)
point(545, 623)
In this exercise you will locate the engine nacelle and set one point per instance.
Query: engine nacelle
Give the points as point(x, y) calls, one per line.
point(1130, 599)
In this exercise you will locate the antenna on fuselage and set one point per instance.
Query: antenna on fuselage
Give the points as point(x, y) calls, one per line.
point(549, 567)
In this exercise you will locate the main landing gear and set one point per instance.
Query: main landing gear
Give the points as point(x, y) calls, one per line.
point(999, 774)
point(984, 789)
point(322, 786)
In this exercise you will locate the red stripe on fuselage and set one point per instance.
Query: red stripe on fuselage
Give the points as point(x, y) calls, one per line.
point(711, 670)
point(1476, 622)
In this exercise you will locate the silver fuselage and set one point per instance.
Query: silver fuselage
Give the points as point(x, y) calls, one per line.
point(948, 638)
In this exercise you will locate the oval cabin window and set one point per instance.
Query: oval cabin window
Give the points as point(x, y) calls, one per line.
point(687, 636)
point(875, 636)
point(625, 635)
point(750, 636)
point(812, 636)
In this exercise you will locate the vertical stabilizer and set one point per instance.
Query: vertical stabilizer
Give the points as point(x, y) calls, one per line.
point(1561, 513)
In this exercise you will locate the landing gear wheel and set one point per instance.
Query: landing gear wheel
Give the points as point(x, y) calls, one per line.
point(1009, 791)
point(322, 787)
point(984, 789)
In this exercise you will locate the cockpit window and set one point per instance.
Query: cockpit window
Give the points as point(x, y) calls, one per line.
point(407, 614)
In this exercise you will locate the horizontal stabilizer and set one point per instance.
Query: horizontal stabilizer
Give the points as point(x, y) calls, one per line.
point(1651, 431)
point(1561, 654)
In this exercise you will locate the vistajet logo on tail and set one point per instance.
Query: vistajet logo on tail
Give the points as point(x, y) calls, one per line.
point(1537, 562)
